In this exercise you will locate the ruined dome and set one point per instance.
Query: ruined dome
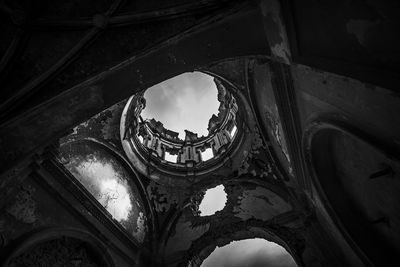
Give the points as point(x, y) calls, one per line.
point(149, 141)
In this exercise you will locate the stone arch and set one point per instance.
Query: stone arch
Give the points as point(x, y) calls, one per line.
point(200, 252)
point(242, 220)
point(353, 173)
point(83, 246)
point(261, 80)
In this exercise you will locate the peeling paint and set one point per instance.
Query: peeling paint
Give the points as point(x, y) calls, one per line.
point(140, 232)
point(280, 50)
point(276, 131)
point(161, 197)
point(254, 161)
point(276, 31)
point(103, 126)
point(260, 203)
point(185, 234)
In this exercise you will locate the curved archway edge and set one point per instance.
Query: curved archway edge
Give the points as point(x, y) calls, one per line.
point(204, 249)
point(338, 205)
point(48, 234)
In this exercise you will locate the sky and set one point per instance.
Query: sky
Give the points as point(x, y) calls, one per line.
point(255, 252)
point(213, 201)
point(186, 101)
point(107, 186)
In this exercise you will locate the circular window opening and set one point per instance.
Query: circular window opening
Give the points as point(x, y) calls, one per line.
point(183, 104)
point(162, 125)
point(250, 252)
point(214, 200)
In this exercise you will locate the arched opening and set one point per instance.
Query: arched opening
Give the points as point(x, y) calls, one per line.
point(106, 179)
point(359, 183)
point(254, 252)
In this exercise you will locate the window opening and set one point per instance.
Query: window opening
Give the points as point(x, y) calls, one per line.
point(214, 200)
point(171, 158)
point(233, 131)
point(207, 154)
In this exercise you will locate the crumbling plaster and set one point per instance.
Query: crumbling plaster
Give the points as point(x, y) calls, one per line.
point(245, 202)
point(276, 30)
point(261, 204)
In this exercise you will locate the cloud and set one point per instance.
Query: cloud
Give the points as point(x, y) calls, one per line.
point(105, 183)
point(186, 101)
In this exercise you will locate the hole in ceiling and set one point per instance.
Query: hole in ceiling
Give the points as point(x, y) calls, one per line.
point(250, 252)
point(184, 102)
point(214, 200)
